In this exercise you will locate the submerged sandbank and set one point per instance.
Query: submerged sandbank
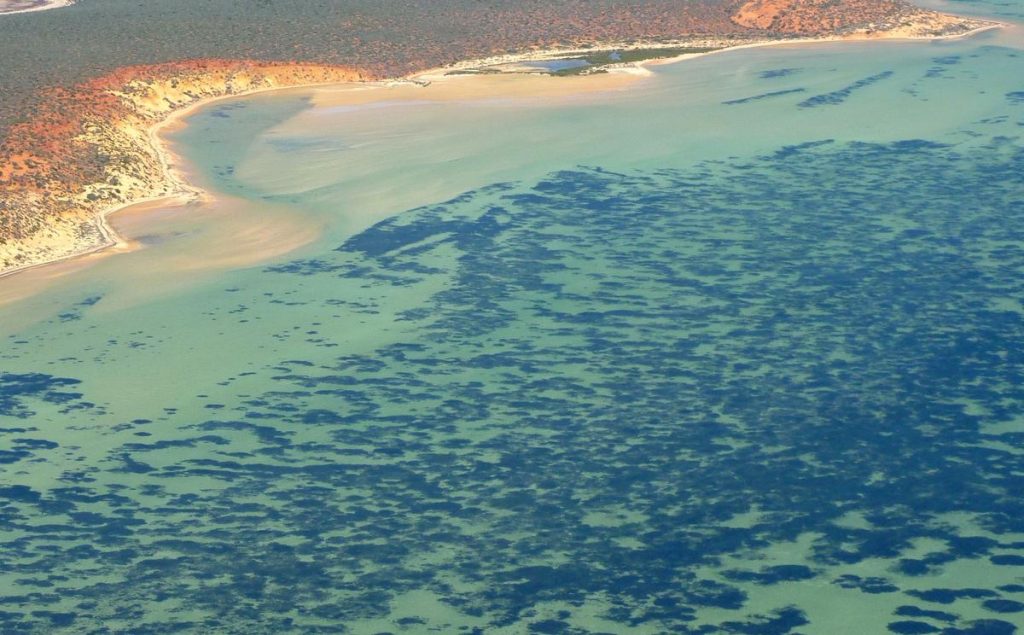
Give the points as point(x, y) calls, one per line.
point(260, 243)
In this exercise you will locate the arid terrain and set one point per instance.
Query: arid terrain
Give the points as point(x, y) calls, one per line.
point(85, 84)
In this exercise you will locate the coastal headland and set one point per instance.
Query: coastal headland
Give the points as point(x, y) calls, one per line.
point(92, 148)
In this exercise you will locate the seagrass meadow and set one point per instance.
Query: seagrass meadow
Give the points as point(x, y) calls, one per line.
point(733, 347)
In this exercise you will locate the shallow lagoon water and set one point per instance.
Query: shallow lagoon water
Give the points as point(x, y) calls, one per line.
point(738, 349)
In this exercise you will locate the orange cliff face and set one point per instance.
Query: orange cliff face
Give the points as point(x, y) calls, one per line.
point(88, 149)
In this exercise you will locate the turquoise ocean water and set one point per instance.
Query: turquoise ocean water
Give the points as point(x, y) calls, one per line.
point(738, 349)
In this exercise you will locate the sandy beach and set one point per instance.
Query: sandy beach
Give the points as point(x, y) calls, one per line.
point(435, 84)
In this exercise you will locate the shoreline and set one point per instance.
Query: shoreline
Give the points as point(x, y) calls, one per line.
point(832, 39)
point(183, 192)
point(720, 45)
point(46, 6)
